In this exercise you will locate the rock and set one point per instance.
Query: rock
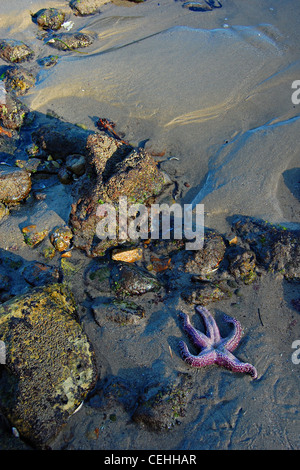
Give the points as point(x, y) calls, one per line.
point(207, 293)
point(277, 249)
point(15, 184)
point(48, 61)
point(49, 18)
point(60, 139)
point(162, 406)
point(65, 176)
point(113, 392)
point(98, 279)
point(120, 311)
point(70, 41)
point(33, 236)
point(50, 365)
point(3, 211)
point(32, 165)
point(242, 264)
point(131, 280)
point(61, 238)
point(76, 164)
point(136, 177)
point(113, 169)
point(86, 7)
point(205, 261)
point(127, 255)
point(40, 274)
point(13, 113)
point(15, 51)
point(19, 80)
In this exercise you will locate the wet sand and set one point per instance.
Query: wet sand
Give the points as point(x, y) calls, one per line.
point(212, 89)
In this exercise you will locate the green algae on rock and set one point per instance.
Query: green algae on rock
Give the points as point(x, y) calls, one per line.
point(70, 41)
point(50, 365)
point(49, 18)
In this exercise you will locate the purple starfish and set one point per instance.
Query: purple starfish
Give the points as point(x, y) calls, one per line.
point(214, 348)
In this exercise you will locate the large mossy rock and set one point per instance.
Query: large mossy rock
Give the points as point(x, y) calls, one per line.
point(49, 366)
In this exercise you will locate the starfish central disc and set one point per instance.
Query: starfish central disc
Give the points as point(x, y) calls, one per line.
point(213, 348)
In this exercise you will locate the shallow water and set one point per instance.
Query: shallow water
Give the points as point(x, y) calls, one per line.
point(212, 89)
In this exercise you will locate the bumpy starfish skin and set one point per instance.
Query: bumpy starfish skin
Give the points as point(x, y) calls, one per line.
point(214, 349)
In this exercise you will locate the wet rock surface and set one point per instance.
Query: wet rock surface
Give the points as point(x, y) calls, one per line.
point(277, 249)
point(114, 169)
point(120, 311)
point(15, 51)
point(49, 18)
point(86, 7)
point(13, 113)
point(131, 280)
point(60, 139)
point(19, 80)
point(163, 405)
point(15, 184)
point(70, 41)
point(49, 362)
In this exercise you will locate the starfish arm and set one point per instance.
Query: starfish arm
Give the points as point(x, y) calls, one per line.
point(205, 358)
point(229, 361)
point(233, 339)
point(199, 339)
point(210, 324)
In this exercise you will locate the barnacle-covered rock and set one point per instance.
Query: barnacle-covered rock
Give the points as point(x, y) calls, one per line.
point(19, 80)
point(117, 310)
point(61, 238)
point(242, 264)
point(13, 112)
point(49, 18)
point(50, 365)
point(15, 184)
point(86, 7)
point(205, 261)
point(127, 279)
point(162, 406)
point(15, 51)
point(70, 41)
point(277, 248)
point(113, 169)
point(207, 292)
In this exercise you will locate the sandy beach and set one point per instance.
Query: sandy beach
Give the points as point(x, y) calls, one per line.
point(209, 95)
